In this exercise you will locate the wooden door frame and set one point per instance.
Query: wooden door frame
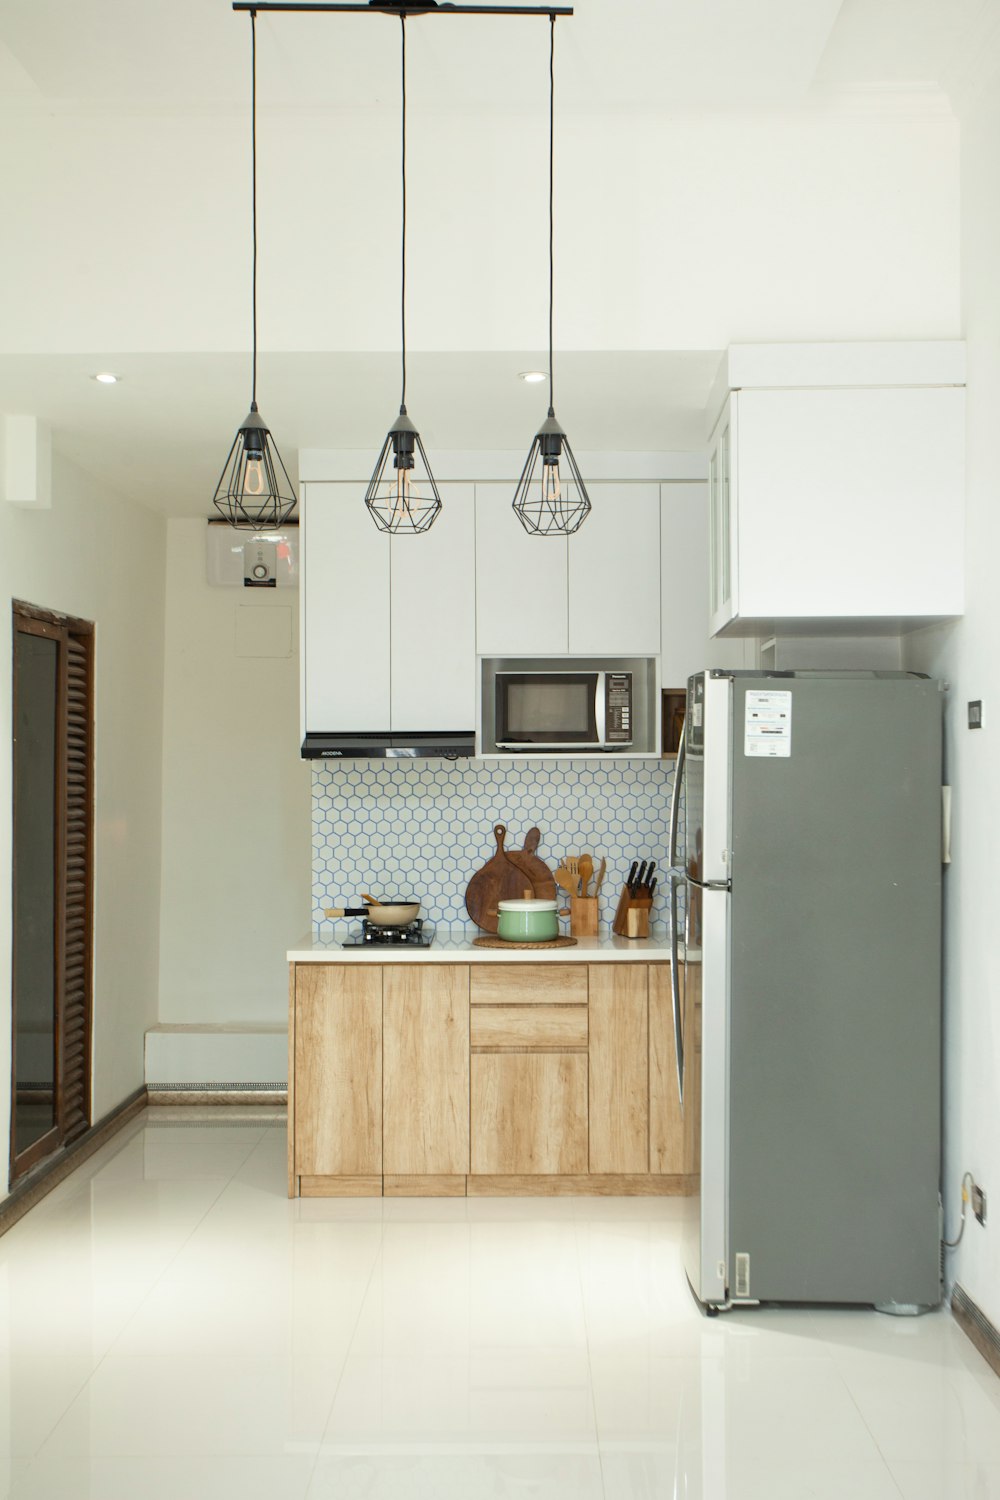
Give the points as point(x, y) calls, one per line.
point(29, 619)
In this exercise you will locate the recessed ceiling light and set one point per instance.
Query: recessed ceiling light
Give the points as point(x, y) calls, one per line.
point(533, 377)
point(107, 378)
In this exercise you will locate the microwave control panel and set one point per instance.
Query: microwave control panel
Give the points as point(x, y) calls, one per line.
point(618, 708)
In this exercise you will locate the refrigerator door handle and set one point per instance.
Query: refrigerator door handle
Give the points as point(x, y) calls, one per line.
point(675, 800)
point(675, 985)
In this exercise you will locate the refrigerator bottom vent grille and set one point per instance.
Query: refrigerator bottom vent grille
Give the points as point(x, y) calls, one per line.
point(742, 1274)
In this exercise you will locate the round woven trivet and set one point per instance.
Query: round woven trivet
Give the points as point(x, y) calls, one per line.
point(498, 942)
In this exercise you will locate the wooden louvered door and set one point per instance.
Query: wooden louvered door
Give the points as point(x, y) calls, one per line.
point(77, 902)
point(52, 883)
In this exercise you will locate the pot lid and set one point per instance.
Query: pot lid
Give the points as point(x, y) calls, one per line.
point(523, 905)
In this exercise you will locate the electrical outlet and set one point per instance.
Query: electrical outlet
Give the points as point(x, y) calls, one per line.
point(978, 1200)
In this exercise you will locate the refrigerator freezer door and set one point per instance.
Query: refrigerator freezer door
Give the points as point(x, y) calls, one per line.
point(834, 1103)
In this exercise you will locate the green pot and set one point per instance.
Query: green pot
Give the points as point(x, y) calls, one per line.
point(527, 921)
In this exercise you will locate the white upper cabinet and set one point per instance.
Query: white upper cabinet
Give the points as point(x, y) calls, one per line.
point(433, 620)
point(595, 592)
point(614, 573)
point(389, 622)
point(840, 501)
point(345, 609)
point(521, 581)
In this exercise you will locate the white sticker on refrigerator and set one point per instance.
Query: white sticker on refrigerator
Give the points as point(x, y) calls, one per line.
point(767, 729)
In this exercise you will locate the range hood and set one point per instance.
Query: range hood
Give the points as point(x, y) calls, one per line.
point(383, 745)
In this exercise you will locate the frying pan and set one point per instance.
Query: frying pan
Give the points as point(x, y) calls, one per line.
point(380, 914)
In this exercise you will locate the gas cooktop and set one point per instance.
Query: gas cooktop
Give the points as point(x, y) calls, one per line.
point(416, 934)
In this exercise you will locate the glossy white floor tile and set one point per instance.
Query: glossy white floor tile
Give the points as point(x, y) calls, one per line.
point(170, 1324)
point(485, 1475)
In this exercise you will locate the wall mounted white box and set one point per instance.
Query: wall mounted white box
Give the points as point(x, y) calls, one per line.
point(251, 559)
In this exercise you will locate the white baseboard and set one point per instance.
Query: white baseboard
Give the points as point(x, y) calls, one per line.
point(213, 1057)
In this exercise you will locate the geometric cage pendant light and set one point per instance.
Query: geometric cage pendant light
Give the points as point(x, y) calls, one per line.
point(551, 498)
point(254, 491)
point(402, 497)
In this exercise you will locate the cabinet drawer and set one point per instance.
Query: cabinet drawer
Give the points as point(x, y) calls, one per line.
point(529, 984)
point(562, 1026)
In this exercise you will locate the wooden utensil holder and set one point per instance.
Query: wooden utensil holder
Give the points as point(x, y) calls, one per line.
point(632, 915)
point(583, 916)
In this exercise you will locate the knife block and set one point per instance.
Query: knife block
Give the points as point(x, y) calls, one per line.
point(632, 915)
point(583, 916)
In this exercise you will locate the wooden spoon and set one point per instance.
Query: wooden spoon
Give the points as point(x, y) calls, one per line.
point(586, 871)
point(568, 879)
point(370, 899)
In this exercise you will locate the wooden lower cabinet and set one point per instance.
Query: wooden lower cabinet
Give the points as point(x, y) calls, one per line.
point(667, 1151)
point(337, 1052)
point(425, 1070)
point(529, 1113)
point(619, 1068)
point(447, 1079)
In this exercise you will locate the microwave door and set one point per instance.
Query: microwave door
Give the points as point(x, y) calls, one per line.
point(547, 709)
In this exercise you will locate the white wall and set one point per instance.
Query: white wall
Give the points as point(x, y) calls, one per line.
point(99, 558)
point(967, 655)
point(236, 796)
point(670, 233)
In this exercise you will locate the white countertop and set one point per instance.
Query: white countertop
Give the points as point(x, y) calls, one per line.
point(457, 948)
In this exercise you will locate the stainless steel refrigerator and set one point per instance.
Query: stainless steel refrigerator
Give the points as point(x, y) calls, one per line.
point(806, 893)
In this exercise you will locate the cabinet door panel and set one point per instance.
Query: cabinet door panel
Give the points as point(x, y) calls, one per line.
point(529, 1113)
point(433, 631)
point(338, 1070)
point(614, 573)
point(850, 502)
point(345, 600)
point(666, 1122)
point(521, 581)
point(619, 1068)
point(426, 1069)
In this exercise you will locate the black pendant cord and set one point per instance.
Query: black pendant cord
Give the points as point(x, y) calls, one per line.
point(552, 103)
point(402, 307)
point(253, 195)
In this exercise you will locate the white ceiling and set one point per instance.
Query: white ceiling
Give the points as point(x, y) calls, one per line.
point(160, 437)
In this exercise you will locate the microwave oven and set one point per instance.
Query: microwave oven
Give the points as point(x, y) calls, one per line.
point(563, 709)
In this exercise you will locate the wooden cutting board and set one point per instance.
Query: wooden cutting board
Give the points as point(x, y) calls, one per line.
point(498, 880)
point(537, 872)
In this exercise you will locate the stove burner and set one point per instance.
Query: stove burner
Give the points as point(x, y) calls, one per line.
point(414, 935)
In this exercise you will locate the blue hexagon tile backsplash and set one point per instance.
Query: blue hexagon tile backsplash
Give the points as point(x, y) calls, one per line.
point(423, 829)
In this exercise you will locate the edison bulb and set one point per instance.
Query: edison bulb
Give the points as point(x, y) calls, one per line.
point(405, 497)
point(253, 477)
point(551, 490)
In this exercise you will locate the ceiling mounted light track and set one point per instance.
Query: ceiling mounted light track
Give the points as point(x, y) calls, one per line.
point(254, 491)
point(405, 7)
point(549, 501)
